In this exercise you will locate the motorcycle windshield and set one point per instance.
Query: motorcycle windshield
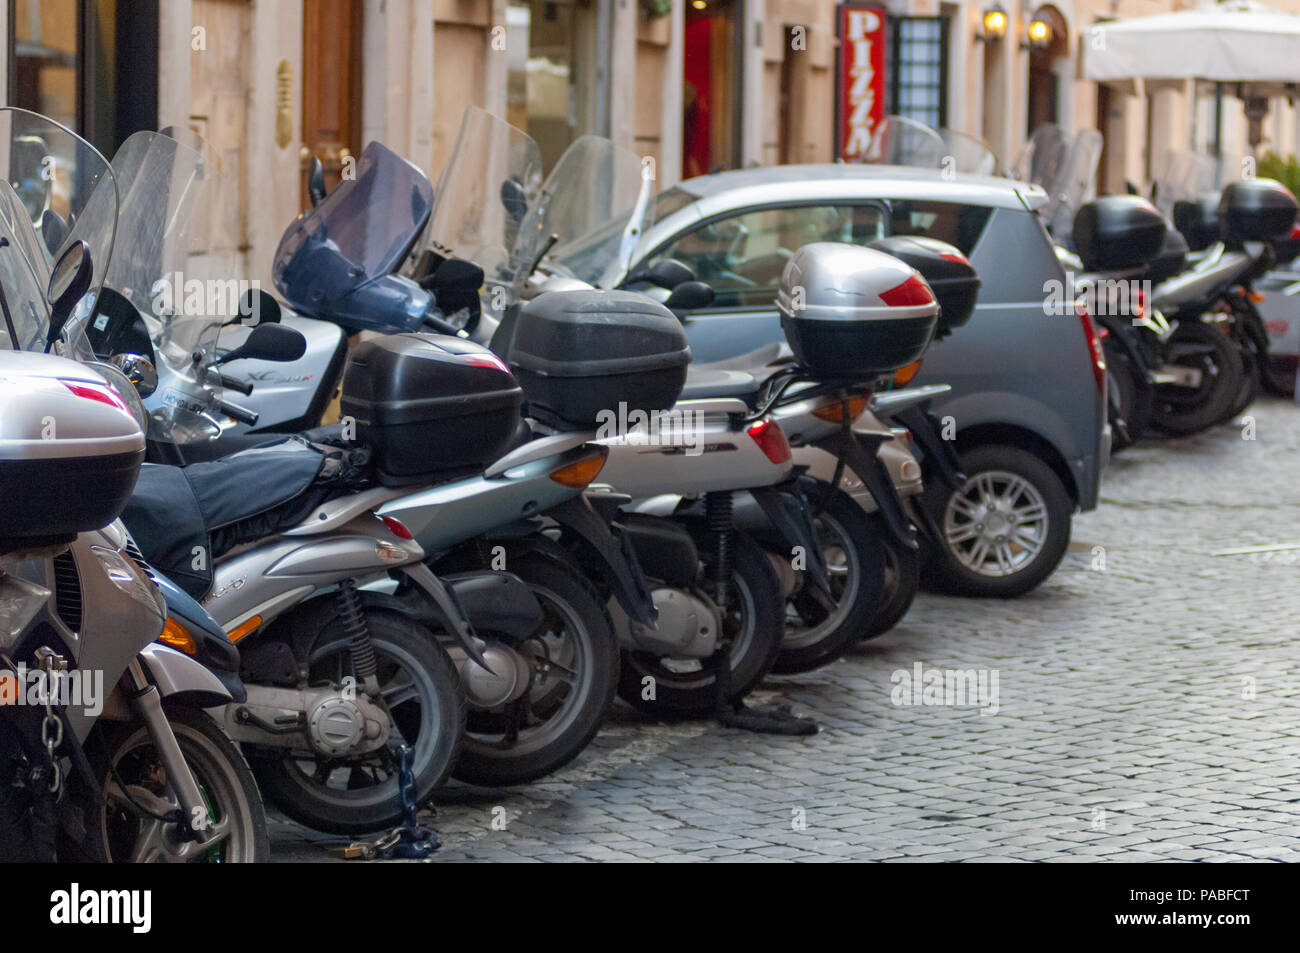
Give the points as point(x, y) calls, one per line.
point(902, 141)
point(491, 181)
point(596, 203)
point(967, 153)
point(170, 193)
point(55, 189)
point(361, 231)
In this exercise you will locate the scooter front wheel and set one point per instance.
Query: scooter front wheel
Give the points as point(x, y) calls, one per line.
point(130, 772)
point(754, 622)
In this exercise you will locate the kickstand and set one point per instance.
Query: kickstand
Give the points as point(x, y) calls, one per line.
point(777, 718)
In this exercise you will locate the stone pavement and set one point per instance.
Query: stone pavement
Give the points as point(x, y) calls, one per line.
point(1148, 708)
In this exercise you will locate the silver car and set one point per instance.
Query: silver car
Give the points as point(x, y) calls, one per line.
point(1027, 407)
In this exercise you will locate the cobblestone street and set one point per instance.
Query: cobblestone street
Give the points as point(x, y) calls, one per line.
point(1148, 704)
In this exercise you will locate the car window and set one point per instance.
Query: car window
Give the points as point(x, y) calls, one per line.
point(951, 222)
point(742, 256)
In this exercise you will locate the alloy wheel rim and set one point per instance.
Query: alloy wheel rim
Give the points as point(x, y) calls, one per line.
point(997, 524)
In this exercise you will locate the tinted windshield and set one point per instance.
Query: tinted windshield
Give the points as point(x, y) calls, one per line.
point(360, 231)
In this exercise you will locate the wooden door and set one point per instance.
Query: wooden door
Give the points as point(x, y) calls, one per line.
point(331, 86)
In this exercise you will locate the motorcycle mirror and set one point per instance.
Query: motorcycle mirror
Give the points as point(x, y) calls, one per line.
point(689, 296)
point(514, 200)
point(256, 307)
point(139, 370)
point(268, 342)
point(69, 280)
point(316, 182)
point(54, 230)
point(666, 273)
point(454, 274)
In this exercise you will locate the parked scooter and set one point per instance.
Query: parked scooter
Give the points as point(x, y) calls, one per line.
point(141, 773)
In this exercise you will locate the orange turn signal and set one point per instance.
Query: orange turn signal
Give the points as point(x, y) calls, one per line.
point(905, 374)
point(834, 413)
point(581, 472)
point(178, 637)
point(241, 630)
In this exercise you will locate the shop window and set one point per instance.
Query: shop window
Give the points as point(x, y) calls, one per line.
point(918, 69)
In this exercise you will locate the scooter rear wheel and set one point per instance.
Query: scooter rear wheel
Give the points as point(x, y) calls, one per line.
point(683, 688)
point(855, 561)
point(1182, 410)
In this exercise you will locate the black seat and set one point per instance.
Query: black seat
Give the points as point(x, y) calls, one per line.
point(753, 361)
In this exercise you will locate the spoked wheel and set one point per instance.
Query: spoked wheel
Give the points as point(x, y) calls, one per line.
point(1186, 410)
point(1005, 530)
point(901, 580)
point(573, 658)
point(817, 632)
point(130, 771)
point(421, 689)
point(753, 622)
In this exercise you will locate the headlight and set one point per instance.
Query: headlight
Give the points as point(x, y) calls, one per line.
point(20, 600)
point(124, 574)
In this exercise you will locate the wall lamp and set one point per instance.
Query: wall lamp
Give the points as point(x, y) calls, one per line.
point(995, 24)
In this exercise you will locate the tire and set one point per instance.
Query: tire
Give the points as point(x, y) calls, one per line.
point(1015, 477)
point(855, 558)
point(577, 625)
point(224, 778)
point(756, 621)
point(1136, 396)
point(1250, 384)
point(433, 722)
point(1182, 411)
point(902, 580)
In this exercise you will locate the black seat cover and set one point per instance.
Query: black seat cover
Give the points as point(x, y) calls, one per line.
point(706, 382)
point(752, 361)
point(184, 518)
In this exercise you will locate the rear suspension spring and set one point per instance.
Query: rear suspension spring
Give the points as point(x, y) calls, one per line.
point(353, 619)
point(722, 536)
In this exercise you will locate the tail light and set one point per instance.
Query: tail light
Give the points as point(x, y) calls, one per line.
point(771, 440)
point(581, 472)
point(100, 392)
point(397, 527)
point(911, 293)
point(834, 413)
point(1139, 304)
point(1095, 352)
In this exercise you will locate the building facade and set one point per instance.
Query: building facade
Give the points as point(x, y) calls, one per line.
point(696, 84)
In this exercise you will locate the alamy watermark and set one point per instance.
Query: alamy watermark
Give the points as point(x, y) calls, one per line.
point(176, 295)
point(667, 428)
point(951, 687)
point(1103, 297)
point(75, 688)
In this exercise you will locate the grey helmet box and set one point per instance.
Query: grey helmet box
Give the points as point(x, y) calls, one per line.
point(854, 312)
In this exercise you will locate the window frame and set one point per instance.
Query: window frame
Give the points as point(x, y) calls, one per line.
point(892, 63)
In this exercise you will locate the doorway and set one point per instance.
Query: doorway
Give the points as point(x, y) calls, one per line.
point(710, 78)
point(331, 87)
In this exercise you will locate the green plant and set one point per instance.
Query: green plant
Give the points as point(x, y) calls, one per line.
point(654, 9)
point(1286, 171)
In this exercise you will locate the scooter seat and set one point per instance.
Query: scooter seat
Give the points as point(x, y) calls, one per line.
point(705, 382)
point(753, 361)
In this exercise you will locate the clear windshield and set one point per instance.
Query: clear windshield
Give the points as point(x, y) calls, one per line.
point(968, 153)
point(902, 141)
point(1043, 157)
point(596, 203)
point(55, 189)
point(170, 193)
point(1184, 175)
point(1075, 184)
point(492, 179)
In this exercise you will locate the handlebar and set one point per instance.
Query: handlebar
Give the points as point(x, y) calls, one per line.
point(235, 412)
point(235, 384)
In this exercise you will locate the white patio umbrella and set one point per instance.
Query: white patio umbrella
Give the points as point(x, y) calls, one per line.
point(1235, 42)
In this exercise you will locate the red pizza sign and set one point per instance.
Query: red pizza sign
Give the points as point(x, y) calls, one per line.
point(861, 90)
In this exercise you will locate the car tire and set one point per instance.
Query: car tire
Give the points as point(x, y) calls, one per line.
point(1021, 485)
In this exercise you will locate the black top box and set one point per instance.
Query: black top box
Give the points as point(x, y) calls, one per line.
point(429, 405)
point(1256, 210)
point(1170, 260)
point(1117, 232)
point(578, 353)
point(1198, 220)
